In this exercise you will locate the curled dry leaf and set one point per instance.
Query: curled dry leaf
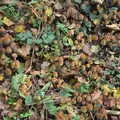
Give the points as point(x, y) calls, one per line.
point(114, 26)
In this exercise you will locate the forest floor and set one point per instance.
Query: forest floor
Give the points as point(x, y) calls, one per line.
point(60, 60)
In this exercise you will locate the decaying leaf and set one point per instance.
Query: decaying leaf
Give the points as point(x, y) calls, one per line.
point(7, 21)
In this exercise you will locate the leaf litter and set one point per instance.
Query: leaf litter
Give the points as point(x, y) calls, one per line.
point(59, 60)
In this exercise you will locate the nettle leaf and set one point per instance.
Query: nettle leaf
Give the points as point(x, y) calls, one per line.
point(84, 88)
point(28, 100)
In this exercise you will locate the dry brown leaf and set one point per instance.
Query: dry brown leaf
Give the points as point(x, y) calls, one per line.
point(35, 72)
point(24, 51)
point(95, 95)
point(114, 26)
point(18, 105)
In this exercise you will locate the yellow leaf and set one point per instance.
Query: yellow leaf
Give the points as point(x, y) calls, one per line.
point(116, 93)
point(19, 28)
point(106, 88)
point(7, 21)
point(48, 11)
point(118, 106)
point(1, 77)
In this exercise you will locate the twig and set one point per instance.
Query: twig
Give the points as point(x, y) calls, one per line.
point(92, 116)
point(113, 112)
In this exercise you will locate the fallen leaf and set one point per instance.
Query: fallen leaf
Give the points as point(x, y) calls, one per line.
point(116, 93)
point(48, 11)
point(7, 21)
point(24, 51)
point(18, 105)
point(114, 26)
point(6, 39)
point(1, 77)
point(19, 28)
point(95, 95)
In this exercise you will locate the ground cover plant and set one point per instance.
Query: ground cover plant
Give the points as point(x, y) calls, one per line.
point(59, 60)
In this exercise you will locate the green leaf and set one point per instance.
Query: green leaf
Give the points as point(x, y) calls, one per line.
point(10, 101)
point(76, 117)
point(88, 25)
point(28, 100)
point(44, 89)
point(67, 41)
point(77, 1)
point(85, 8)
point(25, 37)
point(84, 88)
point(51, 108)
point(17, 80)
point(62, 27)
point(48, 37)
point(38, 41)
point(66, 92)
point(25, 115)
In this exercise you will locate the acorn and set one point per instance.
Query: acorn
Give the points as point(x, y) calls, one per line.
point(8, 50)
point(83, 109)
point(89, 107)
